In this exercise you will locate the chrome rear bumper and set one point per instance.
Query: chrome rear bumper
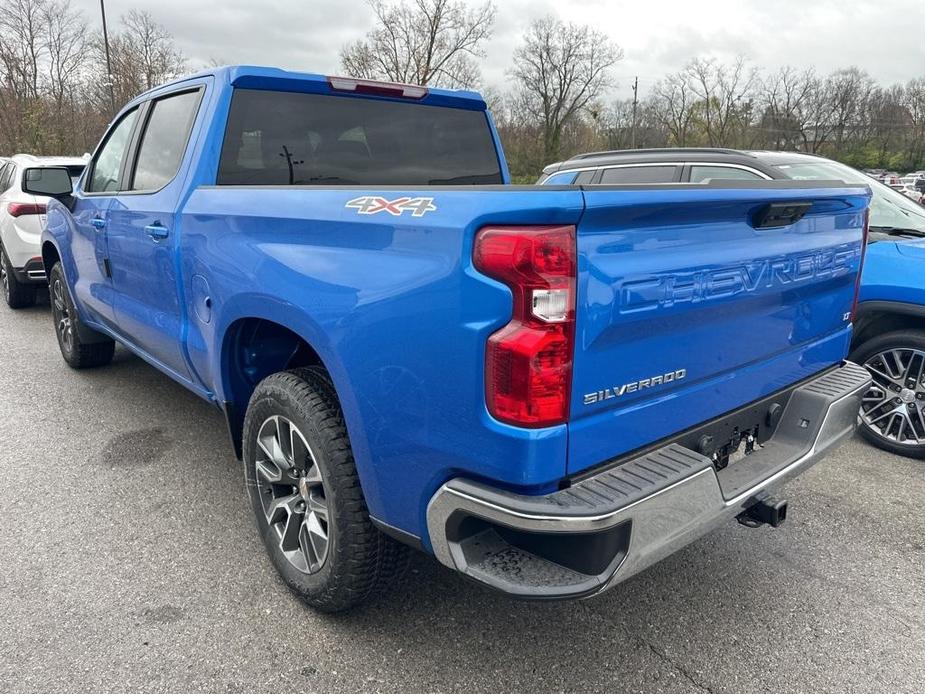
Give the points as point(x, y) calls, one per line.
point(581, 540)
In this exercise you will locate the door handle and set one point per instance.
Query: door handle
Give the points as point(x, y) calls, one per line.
point(98, 222)
point(156, 231)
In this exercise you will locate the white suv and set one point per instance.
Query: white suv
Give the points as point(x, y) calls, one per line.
point(22, 217)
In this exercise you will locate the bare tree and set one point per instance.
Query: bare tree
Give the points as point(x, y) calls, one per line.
point(21, 42)
point(672, 105)
point(158, 58)
point(66, 44)
point(54, 89)
point(847, 92)
point(914, 102)
point(885, 121)
point(559, 71)
point(153, 58)
point(724, 95)
point(22, 50)
point(142, 54)
point(422, 42)
point(616, 125)
point(784, 97)
point(816, 116)
point(42, 54)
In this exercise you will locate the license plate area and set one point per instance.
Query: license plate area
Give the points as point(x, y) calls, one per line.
point(730, 439)
point(740, 445)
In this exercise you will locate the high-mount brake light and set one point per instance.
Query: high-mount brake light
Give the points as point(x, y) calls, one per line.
point(396, 89)
point(857, 283)
point(528, 362)
point(19, 209)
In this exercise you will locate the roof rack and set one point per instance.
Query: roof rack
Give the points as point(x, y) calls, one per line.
point(662, 150)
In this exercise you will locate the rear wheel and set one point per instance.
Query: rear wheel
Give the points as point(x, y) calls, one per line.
point(306, 496)
point(16, 294)
point(78, 352)
point(892, 413)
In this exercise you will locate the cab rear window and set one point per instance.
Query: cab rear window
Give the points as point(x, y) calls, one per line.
point(286, 138)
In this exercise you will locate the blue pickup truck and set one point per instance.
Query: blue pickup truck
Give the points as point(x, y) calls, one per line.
point(548, 388)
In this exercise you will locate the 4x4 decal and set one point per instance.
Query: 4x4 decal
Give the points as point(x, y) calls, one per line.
point(372, 204)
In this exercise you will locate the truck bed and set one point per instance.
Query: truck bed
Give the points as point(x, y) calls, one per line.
point(400, 316)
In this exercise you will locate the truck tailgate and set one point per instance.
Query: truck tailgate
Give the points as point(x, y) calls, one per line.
point(688, 307)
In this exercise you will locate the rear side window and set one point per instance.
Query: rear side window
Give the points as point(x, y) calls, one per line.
point(164, 140)
point(702, 174)
point(639, 174)
point(585, 177)
point(285, 138)
point(108, 164)
point(560, 179)
point(6, 176)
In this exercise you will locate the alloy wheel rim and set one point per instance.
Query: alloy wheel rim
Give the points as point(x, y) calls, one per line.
point(894, 406)
point(63, 324)
point(292, 494)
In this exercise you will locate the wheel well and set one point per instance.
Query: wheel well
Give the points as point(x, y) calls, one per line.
point(253, 349)
point(871, 324)
point(50, 256)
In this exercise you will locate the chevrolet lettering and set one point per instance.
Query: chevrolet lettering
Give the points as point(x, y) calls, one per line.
point(768, 274)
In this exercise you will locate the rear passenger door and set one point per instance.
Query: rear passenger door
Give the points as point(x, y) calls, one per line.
point(143, 238)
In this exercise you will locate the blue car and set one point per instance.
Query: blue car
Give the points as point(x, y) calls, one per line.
point(889, 329)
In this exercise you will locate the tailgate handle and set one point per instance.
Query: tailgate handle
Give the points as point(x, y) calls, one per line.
point(779, 214)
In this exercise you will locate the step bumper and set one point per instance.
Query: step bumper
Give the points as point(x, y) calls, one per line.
point(584, 539)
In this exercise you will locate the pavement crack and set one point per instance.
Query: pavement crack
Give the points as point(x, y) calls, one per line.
point(657, 652)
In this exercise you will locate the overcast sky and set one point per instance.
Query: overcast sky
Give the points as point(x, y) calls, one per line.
point(885, 37)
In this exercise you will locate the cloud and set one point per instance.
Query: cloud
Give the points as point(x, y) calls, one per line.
point(657, 37)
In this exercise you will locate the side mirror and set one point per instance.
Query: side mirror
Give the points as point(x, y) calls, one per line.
point(50, 181)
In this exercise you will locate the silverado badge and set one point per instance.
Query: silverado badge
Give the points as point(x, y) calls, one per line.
point(634, 386)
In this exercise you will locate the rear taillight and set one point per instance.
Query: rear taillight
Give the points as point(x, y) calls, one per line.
point(528, 362)
point(394, 89)
point(857, 283)
point(18, 209)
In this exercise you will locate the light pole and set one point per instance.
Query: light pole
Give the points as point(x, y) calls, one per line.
point(112, 95)
point(635, 104)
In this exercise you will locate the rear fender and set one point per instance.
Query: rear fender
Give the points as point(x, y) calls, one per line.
point(274, 310)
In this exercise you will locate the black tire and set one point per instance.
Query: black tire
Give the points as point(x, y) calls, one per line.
point(77, 352)
point(360, 562)
point(902, 343)
point(16, 294)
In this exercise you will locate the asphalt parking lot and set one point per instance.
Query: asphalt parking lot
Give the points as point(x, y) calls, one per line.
point(129, 562)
